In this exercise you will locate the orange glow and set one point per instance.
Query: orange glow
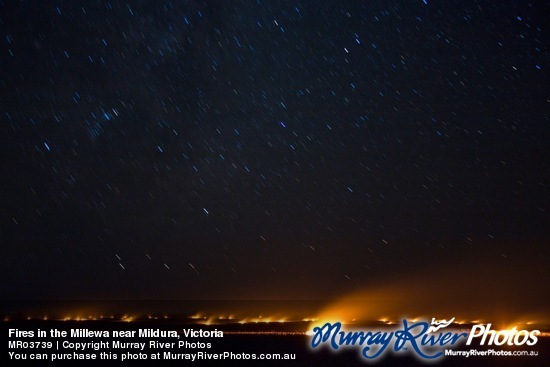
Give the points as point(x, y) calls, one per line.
point(210, 321)
point(397, 302)
point(309, 319)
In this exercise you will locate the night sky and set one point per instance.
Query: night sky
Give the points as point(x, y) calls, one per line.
point(272, 149)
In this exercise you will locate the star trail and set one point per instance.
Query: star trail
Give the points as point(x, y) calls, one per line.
point(272, 149)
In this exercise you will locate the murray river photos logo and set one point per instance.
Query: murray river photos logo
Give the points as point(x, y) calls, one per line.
point(427, 341)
